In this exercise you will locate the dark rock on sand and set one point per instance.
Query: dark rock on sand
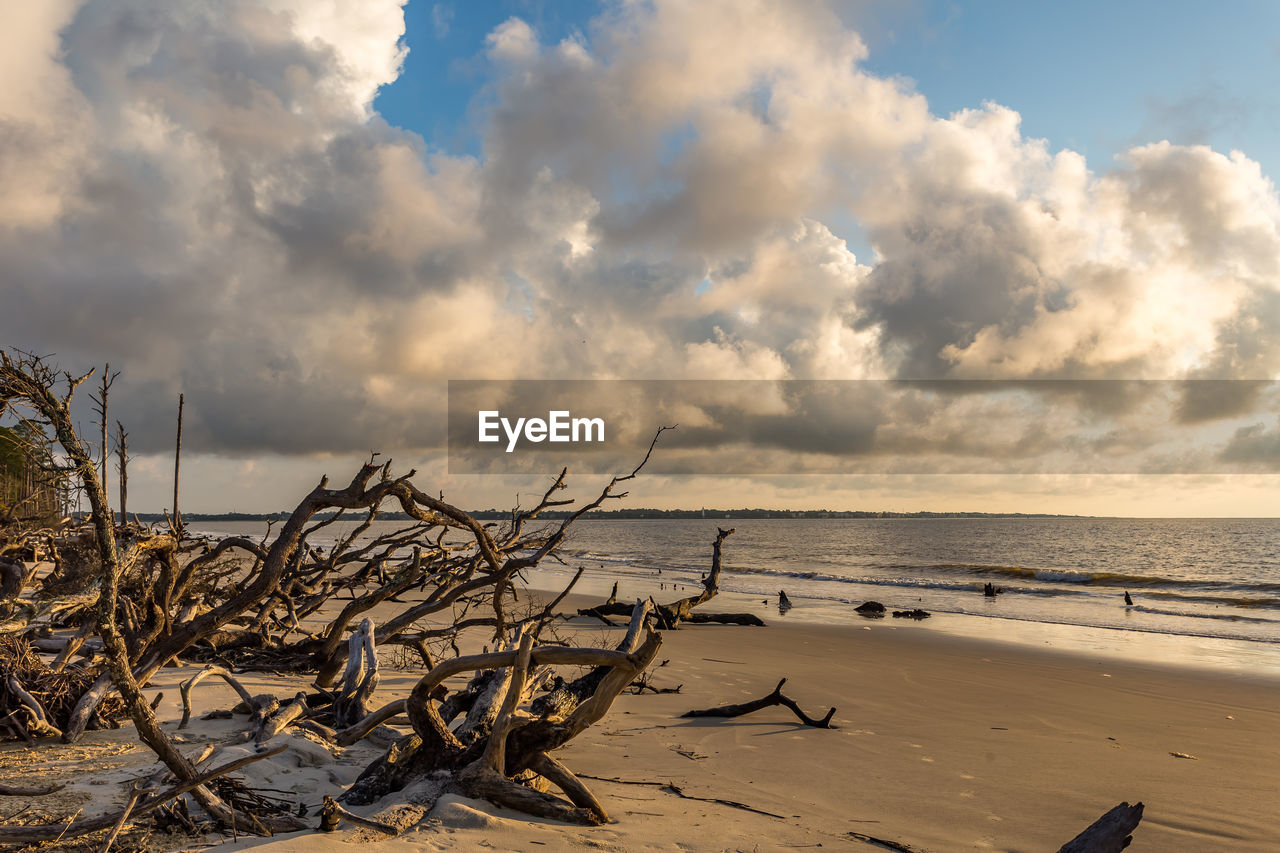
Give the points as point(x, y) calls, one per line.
point(871, 609)
point(916, 614)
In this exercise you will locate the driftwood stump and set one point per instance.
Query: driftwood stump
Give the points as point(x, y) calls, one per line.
point(1110, 833)
point(499, 748)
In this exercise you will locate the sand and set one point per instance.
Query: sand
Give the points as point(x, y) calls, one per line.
point(940, 742)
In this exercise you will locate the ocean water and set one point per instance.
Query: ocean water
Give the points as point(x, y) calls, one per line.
point(1215, 580)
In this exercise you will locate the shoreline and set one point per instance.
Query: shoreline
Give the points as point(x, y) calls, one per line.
point(1220, 595)
point(940, 742)
point(1208, 654)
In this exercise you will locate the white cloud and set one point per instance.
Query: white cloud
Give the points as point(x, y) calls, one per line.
point(200, 194)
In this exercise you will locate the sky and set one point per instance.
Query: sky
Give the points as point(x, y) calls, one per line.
point(309, 215)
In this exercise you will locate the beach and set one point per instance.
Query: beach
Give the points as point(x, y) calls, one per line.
point(939, 742)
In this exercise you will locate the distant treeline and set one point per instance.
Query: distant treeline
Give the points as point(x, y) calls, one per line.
point(639, 513)
point(30, 482)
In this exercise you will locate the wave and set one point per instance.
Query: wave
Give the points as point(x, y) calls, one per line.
point(1021, 582)
point(1249, 593)
point(1183, 614)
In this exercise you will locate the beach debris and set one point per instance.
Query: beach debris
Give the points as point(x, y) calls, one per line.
point(916, 614)
point(36, 701)
point(990, 590)
point(331, 814)
point(496, 750)
point(143, 598)
point(1110, 833)
point(774, 698)
point(748, 619)
point(883, 842)
point(870, 609)
point(1184, 755)
point(688, 753)
point(669, 616)
point(1128, 599)
point(645, 682)
point(149, 801)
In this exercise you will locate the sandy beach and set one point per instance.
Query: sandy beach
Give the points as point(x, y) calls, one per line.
point(939, 742)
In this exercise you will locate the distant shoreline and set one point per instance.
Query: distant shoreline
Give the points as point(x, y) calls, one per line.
point(641, 514)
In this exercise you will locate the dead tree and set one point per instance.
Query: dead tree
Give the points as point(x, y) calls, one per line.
point(769, 701)
point(27, 380)
point(177, 465)
point(670, 616)
point(498, 750)
point(244, 600)
point(100, 405)
point(122, 465)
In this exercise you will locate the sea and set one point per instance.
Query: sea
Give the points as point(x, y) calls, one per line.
point(1205, 591)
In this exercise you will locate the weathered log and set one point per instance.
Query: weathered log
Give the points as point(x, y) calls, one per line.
point(1110, 833)
point(360, 678)
point(489, 756)
point(73, 645)
point(354, 732)
point(212, 669)
point(565, 697)
point(774, 698)
point(749, 619)
point(331, 814)
point(281, 719)
point(135, 794)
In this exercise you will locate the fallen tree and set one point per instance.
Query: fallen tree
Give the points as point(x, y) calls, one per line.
point(142, 599)
point(771, 700)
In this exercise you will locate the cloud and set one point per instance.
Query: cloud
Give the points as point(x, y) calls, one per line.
point(441, 19)
point(203, 196)
point(1256, 446)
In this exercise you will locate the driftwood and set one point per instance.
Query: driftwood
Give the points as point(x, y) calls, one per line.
point(331, 814)
point(1110, 833)
point(670, 616)
point(886, 843)
point(916, 614)
point(136, 599)
point(774, 698)
point(48, 832)
point(490, 754)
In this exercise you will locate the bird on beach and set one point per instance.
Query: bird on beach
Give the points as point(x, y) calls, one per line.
point(1128, 600)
